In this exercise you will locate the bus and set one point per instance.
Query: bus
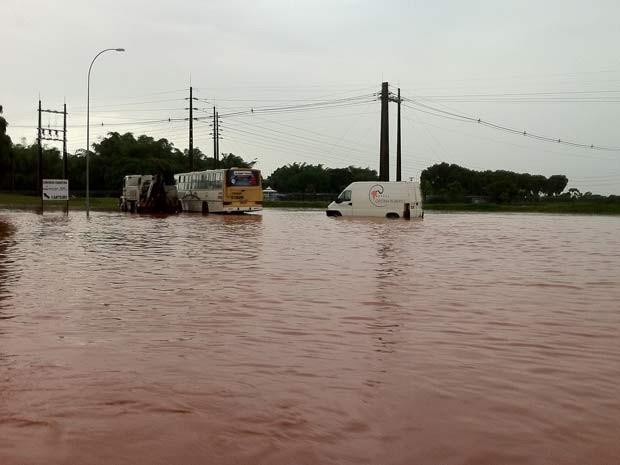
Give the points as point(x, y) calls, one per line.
point(233, 190)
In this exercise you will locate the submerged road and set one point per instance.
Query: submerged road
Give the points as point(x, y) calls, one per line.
point(292, 338)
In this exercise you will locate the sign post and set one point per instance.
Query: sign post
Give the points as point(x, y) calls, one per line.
point(55, 189)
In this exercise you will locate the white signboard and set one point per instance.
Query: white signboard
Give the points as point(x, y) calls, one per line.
point(55, 189)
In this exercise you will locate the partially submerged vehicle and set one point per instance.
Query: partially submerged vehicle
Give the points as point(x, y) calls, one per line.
point(232, 190)
point(144, 193)
point(402, 199)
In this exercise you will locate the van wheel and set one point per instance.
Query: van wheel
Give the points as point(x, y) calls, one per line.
point(392, 216)
point(205, 208)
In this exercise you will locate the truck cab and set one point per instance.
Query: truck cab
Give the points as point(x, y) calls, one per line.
point(402, 199)
point(343, 204)
point(135, 188)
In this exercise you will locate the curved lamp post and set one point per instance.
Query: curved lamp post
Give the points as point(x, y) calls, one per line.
point(88, 125)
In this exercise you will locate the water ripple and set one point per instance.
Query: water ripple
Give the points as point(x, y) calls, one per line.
point(289, 337)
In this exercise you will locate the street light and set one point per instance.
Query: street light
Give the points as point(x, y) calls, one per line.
point(88, 125)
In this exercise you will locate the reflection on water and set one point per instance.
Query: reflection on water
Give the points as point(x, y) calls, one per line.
point(289, 337)
point(7, 275)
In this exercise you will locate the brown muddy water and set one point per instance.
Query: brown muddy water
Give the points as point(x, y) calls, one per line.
point(292, 338)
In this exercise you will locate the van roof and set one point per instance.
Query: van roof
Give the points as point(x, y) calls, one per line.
point(371, 183)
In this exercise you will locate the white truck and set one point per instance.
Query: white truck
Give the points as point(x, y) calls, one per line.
point(401, 199)
point(135, 187)
point(143, 193)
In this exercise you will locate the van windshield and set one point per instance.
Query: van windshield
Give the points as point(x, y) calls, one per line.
point(345, 196)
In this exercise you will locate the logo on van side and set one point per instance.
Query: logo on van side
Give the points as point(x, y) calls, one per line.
point(375, 194)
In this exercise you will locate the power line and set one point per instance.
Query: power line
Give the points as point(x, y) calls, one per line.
point(512, 144)
point(284, 144)
point(335, 103)
point(512, 94)
point(312, 141)
point(465, 118)
point(131, 103)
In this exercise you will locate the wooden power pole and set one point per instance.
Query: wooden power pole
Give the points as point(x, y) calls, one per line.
point(217, 135)
point(40, 157)
point(398, 154)
point(191, 129)
point(215, 148)
point(65, 172)
point(384, 147)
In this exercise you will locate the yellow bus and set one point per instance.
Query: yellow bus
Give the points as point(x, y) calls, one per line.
point(233, 190)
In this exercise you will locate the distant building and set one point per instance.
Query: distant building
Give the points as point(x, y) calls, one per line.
point(270, 194)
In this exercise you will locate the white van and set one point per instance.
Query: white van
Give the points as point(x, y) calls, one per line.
point(384, 199)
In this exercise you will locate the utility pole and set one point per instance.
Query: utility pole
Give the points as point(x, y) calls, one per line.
point(65, 168)
point(217, 134)
point(384, 147)
point(215, 157)
point(398, 153)
point(215, 126)
point(191, 130)
point(52, 135)
point(65, 172)
point(191, 127)
point(40, 157)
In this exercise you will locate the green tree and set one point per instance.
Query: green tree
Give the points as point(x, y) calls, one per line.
point(556, 184)
point(230, 160)
point(121, 154)
point(302, 177)
point(6, 156)
point(449, 181)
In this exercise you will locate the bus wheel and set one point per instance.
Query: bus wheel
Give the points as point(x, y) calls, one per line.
point(392, 216)
point(205, 208)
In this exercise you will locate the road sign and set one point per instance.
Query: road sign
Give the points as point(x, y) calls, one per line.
point(55, 189)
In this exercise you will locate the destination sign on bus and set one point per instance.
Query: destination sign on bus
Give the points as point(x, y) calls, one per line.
point(243, 178)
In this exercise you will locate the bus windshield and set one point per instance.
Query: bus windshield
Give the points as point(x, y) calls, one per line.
point(243, 178)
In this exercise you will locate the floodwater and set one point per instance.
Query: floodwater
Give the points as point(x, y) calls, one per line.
point(292, 338)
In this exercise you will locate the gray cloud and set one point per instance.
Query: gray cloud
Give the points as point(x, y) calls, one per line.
point(245, 54)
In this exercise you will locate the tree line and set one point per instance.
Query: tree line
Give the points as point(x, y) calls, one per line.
point(310, 179)
point(117, 155)
point(114, 157)
point(453, 183)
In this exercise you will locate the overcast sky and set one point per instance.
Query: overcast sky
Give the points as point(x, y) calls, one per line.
point(547, 67)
